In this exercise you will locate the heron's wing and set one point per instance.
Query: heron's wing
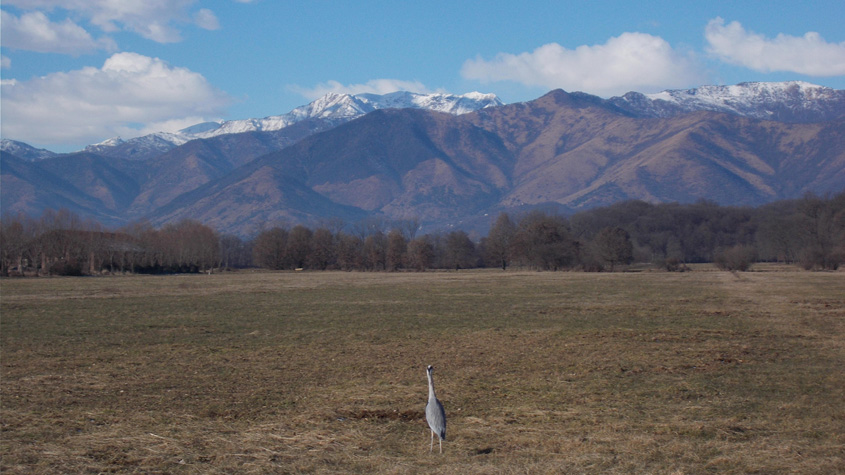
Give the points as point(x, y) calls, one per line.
point(436, 417)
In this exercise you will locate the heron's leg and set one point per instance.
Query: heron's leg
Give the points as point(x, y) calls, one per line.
point(441, 445)
point(431, 449)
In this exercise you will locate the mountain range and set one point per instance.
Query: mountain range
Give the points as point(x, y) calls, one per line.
point(450, 160)
point(328, 111)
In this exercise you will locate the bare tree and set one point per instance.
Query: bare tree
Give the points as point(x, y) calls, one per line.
point(396, 248)
point(545, 242)
point(824, 231)
point(369, 226)
point(375, 251)
point(420, 254)
point(299, 245)
point(613, 245)
point(269, 248)
point(234, 252)
point(500, 241)
point(409, 227)
point(349, 251)
point(323, 254)
point(16, 235)
point(459, 251)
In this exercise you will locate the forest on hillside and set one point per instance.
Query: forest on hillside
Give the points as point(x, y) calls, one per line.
point(809, 232)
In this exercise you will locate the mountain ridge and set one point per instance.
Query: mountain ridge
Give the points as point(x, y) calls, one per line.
point(568, 150)
point(788, 101)
point(335, 108)
point(400, 164)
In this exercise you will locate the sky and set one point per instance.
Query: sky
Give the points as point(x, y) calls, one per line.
point(77, 72)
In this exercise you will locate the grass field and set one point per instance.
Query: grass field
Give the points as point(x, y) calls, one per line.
point(649, 372)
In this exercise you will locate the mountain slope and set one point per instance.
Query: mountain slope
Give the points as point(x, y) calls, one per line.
point(727, 159)
point(572, 150)
point(112, 182)
point(403, 163)
point(28, 189)
point(176, 172)
point(326, 112)
point(262, 197)
point(582, 152)
point(400, 163)
point(567, 150)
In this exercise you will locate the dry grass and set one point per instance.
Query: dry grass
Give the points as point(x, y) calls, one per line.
point(324, 372)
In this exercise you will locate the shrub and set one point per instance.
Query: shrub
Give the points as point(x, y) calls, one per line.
point(736, 258)
point(67, 267)
point(673, 264)
point(813, 257)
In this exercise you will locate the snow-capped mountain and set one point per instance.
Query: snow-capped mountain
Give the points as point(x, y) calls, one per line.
point(24, 151)
point(333, 107)
point(572, 151)
point(791, 101)
point(104, 145)
point(139, 148)
point(448, 103)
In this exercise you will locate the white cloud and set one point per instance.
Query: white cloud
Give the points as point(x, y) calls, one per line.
point(630, 61)
point(5, 62)
point(206, 19)
point(809, 54)
point(374, 86)
point(152, 19)
point(122, 97)
point(170, 125)
point(33, 31)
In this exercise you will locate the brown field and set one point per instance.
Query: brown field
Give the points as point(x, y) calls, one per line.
point(250, 372)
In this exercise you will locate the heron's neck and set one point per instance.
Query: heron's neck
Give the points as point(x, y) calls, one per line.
point(430, 386)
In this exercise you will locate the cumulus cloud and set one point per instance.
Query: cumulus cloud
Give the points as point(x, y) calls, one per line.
point(206, 19)
point(129, 92)
point(630, 61)
point(156, 20)
point(169, 125)
point(809, 54)
point(5, 62)
point(33, 31)
point(374, 86)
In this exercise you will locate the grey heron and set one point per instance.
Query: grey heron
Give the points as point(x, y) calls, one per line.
point(434, 413)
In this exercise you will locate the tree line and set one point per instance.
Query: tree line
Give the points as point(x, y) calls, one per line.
point(809, 232)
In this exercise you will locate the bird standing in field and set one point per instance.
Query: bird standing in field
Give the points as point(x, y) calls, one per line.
point(434, 413)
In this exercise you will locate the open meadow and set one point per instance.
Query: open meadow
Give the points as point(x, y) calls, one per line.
point(539, 372)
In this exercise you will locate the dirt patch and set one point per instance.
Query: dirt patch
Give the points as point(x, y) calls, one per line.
point(383, 414)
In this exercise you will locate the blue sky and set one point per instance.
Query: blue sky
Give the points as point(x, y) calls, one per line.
point(76, 72)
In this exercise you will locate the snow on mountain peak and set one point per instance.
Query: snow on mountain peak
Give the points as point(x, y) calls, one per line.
point(481, 96)
point(440, 102)
point(789, 101)
point(335, 107)
point(112, 142)
point(747, 91)
point(24, 151)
